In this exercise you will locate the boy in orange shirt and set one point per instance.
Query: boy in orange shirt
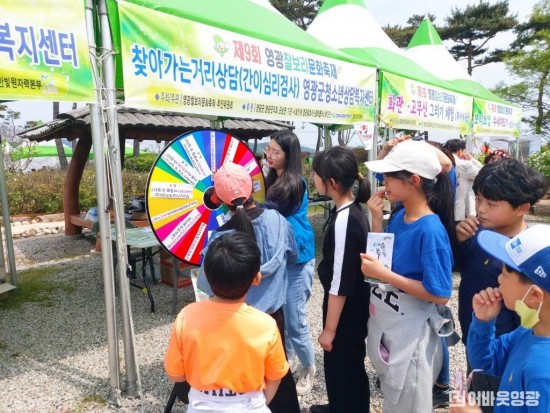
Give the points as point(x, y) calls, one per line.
point(230, 353)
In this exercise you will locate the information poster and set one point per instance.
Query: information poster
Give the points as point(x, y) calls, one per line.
point(178, 65)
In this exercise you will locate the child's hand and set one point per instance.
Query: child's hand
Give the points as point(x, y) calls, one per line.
point(326, 338)
point(461, 404)
point(376, 206)
point(392, 143)
point(467, 228)
point(371, 267)
point(487, 304)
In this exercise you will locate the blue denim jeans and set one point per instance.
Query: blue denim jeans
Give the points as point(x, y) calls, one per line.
point(298, 337)
point(444, 374)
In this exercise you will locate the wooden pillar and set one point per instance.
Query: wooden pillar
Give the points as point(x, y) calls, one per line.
point(71, 189)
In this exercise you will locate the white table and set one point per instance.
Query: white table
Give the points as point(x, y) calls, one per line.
point(145, 239)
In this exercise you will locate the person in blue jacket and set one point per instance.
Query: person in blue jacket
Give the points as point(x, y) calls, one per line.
point(522, 357)
point(287, 193)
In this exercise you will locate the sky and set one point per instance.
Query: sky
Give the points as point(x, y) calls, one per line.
point(385, 12)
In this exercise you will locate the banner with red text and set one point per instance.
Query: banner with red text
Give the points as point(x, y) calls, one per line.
point(409, 104)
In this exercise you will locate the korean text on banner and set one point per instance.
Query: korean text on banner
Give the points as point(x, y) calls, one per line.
point(174, 64)
point(496, 119)
point(44, 51)
point(409, 104)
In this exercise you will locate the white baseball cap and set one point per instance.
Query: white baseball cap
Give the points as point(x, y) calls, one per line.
point(527, 253)
point(417, 157)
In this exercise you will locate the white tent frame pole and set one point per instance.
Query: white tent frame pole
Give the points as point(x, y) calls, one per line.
point(373, 153)
point(133, 382)
point(98, 136)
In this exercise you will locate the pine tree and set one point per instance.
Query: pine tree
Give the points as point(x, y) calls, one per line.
point(402, 35)
point(301, 12)
point(472, 29)
point(529, 60)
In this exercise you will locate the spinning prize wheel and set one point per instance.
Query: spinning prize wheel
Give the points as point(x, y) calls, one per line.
point(180, 187)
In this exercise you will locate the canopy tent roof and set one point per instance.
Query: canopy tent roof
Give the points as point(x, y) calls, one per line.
point(350, 27)
point(255, 18)
point(426, 46)
point(147, 125)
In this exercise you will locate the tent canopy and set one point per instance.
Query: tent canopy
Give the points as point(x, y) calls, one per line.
point(349, 26)
point(255, 18)
point(426, 46)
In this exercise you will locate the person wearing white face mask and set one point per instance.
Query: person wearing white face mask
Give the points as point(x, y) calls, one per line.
point(521, 357)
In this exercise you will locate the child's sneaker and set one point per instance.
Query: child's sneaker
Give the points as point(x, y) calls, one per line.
point(305, 383)
point(440, 397)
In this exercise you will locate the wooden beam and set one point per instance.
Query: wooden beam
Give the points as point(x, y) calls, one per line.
point(71, 188)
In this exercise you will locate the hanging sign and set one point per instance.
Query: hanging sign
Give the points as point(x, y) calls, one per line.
point(413, 105)
point(365, 131)
point(44, 51)
point(174, 64)
point(496, 119)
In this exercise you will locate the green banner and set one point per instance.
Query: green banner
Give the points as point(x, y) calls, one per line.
point(496, 119)
point(409, 104)
point(174, 64)
point(44, 51)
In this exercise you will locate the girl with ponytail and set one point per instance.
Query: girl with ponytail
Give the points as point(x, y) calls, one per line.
point(273, 234)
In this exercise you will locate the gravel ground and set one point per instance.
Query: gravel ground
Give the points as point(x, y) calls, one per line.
point(54, 358)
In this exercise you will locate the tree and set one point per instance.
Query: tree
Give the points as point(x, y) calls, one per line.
point(135, 149)
point(472, 29)
point(402, 36)
point(301, 12)
point(8, 134)
point(59, 143)
point(345, 136)
point(319, 139)
point(529, 60)
point(8, 125)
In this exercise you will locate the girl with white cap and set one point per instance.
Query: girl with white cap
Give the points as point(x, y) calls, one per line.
point(405, 326)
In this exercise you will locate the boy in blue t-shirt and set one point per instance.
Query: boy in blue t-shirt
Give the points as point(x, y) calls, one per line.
point(521, 357)
point(505, 191)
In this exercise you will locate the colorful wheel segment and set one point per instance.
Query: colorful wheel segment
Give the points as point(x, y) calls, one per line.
point(180, 185)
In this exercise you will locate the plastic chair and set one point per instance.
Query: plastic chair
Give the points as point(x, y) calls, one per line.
point(180, 391)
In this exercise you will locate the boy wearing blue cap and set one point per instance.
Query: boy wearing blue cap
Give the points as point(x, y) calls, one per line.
point(521, 357)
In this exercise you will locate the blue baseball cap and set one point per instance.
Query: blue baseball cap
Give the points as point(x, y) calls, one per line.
point(527, 253)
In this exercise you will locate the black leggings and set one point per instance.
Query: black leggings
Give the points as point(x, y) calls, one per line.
point(346, 378)
point(286, 398)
